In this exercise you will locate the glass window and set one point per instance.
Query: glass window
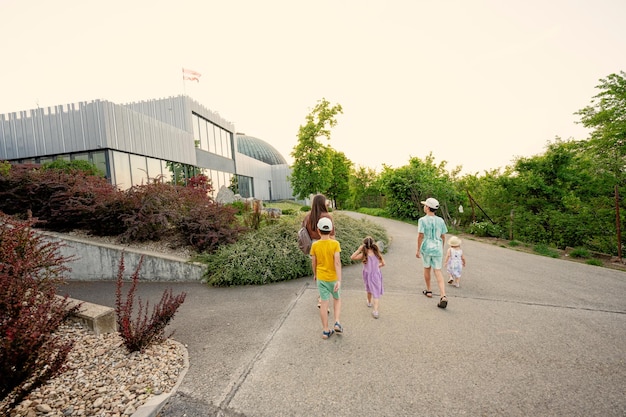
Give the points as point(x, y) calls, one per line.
point(80, 157)
point(196, 130)
point(167, 172)
point(154, 168)
point(226, 145)
point(139, 169)
point(121, 170)
point(98, 158)
point(211, 129)
point(63, 157)
point(204, 142)
point(218, 141)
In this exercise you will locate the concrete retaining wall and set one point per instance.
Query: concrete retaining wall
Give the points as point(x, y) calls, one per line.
point(99, 261)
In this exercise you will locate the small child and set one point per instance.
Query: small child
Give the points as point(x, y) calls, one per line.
point(327, 273)
point(369, 253)
point(455, 261)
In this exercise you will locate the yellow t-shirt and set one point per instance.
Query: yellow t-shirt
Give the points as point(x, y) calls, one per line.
point(324, 251)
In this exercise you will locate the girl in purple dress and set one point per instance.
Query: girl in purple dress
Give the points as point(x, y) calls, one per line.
point(373, 260)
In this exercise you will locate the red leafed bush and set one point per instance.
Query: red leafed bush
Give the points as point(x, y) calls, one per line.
point(206, 227)
point(137, 330)
point(62, 200)
point(30, 311)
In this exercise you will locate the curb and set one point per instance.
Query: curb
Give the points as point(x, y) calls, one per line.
point(152, 407)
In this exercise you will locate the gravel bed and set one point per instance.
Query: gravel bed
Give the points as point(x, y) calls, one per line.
point(103, 379)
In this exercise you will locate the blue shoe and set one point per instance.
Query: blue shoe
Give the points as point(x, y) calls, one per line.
point(338, 327)
point(326, 335)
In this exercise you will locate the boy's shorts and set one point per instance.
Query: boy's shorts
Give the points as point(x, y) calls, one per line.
point(434, 262)
point(325, 289)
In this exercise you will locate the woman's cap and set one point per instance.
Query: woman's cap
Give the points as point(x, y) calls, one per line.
point(432, 203)
point(454, 241)
point(325, 224)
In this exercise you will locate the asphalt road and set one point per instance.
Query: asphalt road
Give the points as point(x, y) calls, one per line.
point(525, 335)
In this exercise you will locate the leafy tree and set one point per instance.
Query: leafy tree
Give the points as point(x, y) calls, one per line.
point(339, 190)
point(364, 188)
point(406, 186)
point(312, 169)
point(607, 117)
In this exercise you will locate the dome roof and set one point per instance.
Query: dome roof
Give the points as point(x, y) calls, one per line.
point(259, 149)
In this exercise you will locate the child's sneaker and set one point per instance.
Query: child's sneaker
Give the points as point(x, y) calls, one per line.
point(375, 314)
point(369, 304)
point(338, 327)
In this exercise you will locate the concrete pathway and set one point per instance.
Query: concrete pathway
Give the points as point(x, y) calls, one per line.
point(525, 335)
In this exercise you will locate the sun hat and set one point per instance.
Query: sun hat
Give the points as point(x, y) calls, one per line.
point(454, 241)
point(325, 224)
point(432, 203)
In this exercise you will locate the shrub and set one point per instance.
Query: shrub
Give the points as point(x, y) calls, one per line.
point(138, 331)
point(30, 311)
point(61, 200)
point(514, 243)
point(71, 167)
point(485, 229)
point(207, 227)
point(594, 262)
point(271, 254)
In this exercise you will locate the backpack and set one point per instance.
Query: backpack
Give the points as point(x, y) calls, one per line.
point(304, 240)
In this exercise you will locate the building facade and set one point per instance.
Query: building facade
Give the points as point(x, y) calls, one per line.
point(170, 139)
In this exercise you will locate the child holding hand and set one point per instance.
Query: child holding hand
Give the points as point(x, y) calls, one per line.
point(455, 261)
point(372, 260)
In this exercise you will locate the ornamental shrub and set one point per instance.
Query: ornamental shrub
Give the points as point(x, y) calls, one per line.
point(271, 253)
point(138, 331)
point(30, 311)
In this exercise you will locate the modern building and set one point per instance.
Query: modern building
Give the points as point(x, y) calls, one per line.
point(170, 139)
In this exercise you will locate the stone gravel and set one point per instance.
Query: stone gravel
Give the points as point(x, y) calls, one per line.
point(103, 378)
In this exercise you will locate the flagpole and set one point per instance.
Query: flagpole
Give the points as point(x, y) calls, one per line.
point(184, 84)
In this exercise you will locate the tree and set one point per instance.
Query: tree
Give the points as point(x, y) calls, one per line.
point(339, 190)
point(406, 186)
point(312, 169)
point(363, 188)
point(607, 117)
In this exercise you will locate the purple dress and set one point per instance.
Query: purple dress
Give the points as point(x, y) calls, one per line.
point(372, 277)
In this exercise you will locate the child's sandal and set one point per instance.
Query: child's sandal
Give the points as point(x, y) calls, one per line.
point(427, 293)
point(326, 335)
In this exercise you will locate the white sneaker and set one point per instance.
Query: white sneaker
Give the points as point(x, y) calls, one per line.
point(375, 314)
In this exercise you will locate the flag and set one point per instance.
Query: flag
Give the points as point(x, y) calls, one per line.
point(191, 75)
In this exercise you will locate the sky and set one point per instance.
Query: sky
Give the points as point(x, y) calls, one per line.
point(475, 83)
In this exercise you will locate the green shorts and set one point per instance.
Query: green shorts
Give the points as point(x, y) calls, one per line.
point(434, 262)
point(326, 288)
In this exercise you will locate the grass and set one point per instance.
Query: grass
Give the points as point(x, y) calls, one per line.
point(544, 250)
point(580, 253)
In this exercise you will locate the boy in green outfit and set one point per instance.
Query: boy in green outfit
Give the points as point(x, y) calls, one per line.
point(327, 273)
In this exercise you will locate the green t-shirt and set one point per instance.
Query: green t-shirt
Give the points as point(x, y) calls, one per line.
point(432, 227)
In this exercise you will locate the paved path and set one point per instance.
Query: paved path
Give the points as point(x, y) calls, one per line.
point(525, 335)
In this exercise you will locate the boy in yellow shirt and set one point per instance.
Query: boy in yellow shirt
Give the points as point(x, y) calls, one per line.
point(327, 273)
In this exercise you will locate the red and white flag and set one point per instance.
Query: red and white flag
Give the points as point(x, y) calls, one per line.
point(191, 75)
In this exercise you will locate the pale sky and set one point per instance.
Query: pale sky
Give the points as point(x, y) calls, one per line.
point(476, 82)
